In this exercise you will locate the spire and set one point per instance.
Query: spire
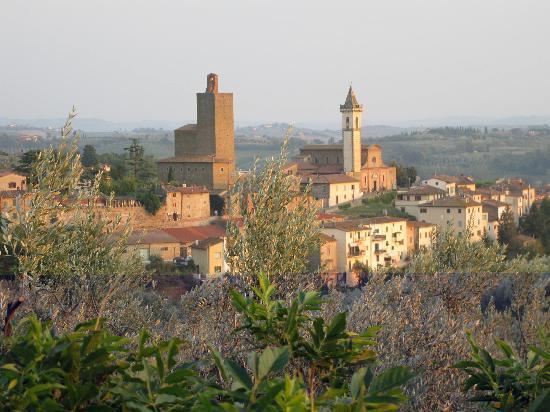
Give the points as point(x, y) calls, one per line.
point(351, 101)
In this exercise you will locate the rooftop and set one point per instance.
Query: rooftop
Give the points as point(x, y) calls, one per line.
point(188, 127)
point(322, 147)
point(415, 223)
point(206, 243)
point(451, 202)
point(140, 237)
point(362, 224)
point(328, 179)
point(11, 172)
point(193, 233)
point(193, 158)
point(187, 189)
point(423, 190)
point(351, 101)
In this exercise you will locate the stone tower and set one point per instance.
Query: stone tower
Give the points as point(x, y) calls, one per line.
point(214, 132)
point(351, 132)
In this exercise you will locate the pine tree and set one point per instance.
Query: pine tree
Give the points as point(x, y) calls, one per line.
point(170, 174)
point(507, 229)
point(89, 156)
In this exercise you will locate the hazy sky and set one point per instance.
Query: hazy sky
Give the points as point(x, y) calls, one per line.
point(285, 60)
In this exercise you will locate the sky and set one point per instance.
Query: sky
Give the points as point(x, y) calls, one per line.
point(284, 60)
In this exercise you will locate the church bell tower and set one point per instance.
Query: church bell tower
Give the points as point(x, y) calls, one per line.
point(351, 132)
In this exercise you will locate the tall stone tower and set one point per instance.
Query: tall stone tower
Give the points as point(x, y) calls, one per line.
point(351, 132)
point(214, 132)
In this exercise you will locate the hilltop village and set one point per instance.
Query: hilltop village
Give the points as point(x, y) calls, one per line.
point(190, 225)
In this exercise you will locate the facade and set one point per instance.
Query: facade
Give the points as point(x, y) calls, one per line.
point(10, 200)
point(204, 153)
point(362, 163)
point(12, 181)
point(458, 213)
point(187, 202)
point(326, 258)
point(187, 236)
point(444, 182)
point(411, 198)
point(374, 242)
point(420, 236)
point(154, 242)
point(494, 210)
point(332, 189)
point(208, 256)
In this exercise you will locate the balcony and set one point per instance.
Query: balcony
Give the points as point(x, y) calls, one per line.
point(378, 238)
point(355, 253)
point(379, 251)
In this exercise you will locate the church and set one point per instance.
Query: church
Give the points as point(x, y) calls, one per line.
point(364, 164)
point(204, 153)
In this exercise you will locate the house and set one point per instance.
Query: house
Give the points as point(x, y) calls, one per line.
point(420, 236)
point(10, 180)
point(11, 199)
point(458, 213)
point(325, 259)
point(208, 256)
point(417, 195)
point(373, 242)
point(187, 202)
point(188, 236)
point(154, 242)
point(332, 189)
point(443, 182)
point(494, 210)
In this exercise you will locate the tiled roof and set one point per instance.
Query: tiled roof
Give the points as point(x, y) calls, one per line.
point(188, 127)
point(328, 179)
point(446, 178)
point(351, 101)
point(495, 203)
point(11, 172)
point(329, 216)
point(11, 193)
point(188, 190)
point(326, 238)
point(193, 233)
point(451, 202)
point(361, 224)
point(140, 237)
point(423, 190)
point(206, 243)
point(322, 147)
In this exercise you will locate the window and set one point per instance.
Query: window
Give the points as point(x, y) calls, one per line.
point(12, 185)
point(221, 169)
point(374, 160)
point(357, 122)
point(418, 197)
point(459, 223)
point(217, 255)
point(164, 249)
point(347, 122)
point(448, 210)
point(174, 194)
point(217, 269)
point(459, 210)
point(423, 210)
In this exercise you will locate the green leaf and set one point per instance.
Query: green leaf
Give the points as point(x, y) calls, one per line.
point(390, 378)
point(179, 375)
point(218, 360)
point(542, 402)
point(465, 364)
point(10, 367)
point(165, 398)
point(238, 373)
point(357, 382)
point(505, 348)
point(272, 360)
point(337, 326)
point(42, 387)
point(487, 359)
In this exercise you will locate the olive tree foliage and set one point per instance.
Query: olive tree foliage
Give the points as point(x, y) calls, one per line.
point(424, 318)
point(272, 227)
point(72, 265)
point(452, 253)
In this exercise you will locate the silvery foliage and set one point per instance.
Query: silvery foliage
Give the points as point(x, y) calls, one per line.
point(273, 225)
point(72, 265)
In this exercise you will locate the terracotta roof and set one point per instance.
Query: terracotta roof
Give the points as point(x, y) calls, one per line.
point(384, 219)
point(188, 127)
point(351, 101)
point(451, 202)
point(328, 179)
point(423, 190)
point(193, 233)
point(362, 224)
point(206, 243)
point(326, 238)
point(188, 190)
point(329, 216)
point(495, 203)
point(11, 172)
point(140, 237)
point(445, 178)
point(193, 158)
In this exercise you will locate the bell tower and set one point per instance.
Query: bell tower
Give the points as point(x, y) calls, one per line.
point(351, 132)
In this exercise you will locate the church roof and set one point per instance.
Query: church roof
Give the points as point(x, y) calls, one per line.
point(351, 101)
point(193, 158)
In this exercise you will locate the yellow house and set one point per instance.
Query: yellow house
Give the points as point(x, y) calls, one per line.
point(187, 202)
point(420, 235)
point(333, 189)
point(154, 243)
point(458, 213)
point(12, 181)
point(208, 256)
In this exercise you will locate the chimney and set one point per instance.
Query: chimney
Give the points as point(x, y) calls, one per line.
point(184, 185)
point(212, 83)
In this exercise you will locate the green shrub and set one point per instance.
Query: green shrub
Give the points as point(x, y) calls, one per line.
point(345, 206)
point(508, 383)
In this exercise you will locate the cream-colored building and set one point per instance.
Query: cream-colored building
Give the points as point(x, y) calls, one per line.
point(494, 210)
point(208, 256)
point(12, 181)
point(458, 213)
point(420, 236)
point(417, 195)
point(154, 242)
point(443, 182)
point(187, 202)
point(333, 189)
point(374, 242)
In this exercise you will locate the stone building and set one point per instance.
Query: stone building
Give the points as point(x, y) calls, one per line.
point(187, 202)
point(332, 189)
point(362, 163)
point(12, 181)
point(204, 153)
